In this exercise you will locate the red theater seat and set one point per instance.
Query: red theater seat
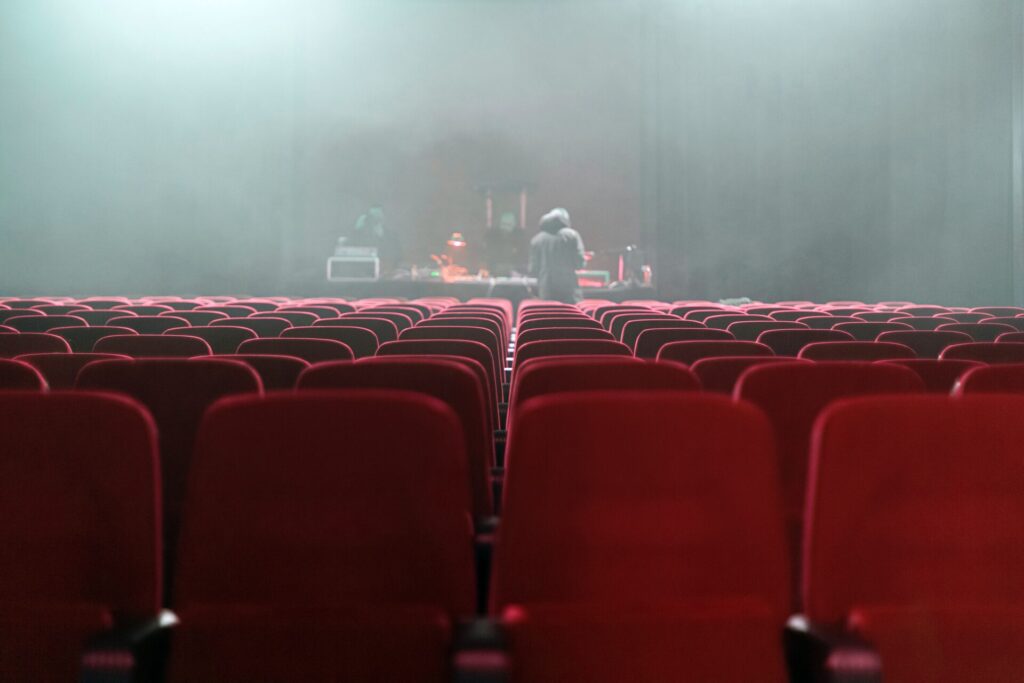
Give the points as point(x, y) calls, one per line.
point(61, 369)
point(402, 321)
point(869, 331)
point(979, 332)
point(8, 313)
point(690, 352)
point(230, 310)
point(751, 330)
point(327, 537)
point(221, 338)
point(197, 318)
point(19, 375)
point(362, 342)
point(792, 395)
point(475, 334)
point(562, 321)
point(263, 327)
point(83, 339)
point(79, 542)
point(153, 346)
point(991, 379)
point(926, 323)
point(309, 350)
point(489, 323)
point(633, 329)
point(98, 318)
point(789, 342)
point(925, 343)
point(938, 376)
point(618, 556)
point(276, 372)
point(856, 350)
point(296, 318)
point(446, 380)
point(450, 347)
point(143, 309)
point(44, 323)
point(570, 347)
point(149, 324)
point(720, 374)
point(177, 392)
point(550, 333)
point(722, 322)
point(545, 376)
point(12, 345)
point(824, 321)
point(384, 329)
point(915, 534)
point(986, 352)
point(650, 342)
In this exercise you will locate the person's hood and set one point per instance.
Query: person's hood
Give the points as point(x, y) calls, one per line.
point(555, 220)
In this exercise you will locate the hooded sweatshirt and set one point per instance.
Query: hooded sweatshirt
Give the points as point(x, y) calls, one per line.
point(555, 254)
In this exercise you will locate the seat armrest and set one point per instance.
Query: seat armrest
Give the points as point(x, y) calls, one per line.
point(133, 653)
point(479, 654)
point(822, 654)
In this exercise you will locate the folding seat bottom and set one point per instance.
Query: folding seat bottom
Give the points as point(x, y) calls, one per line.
point(945, 644)
point(715, 641)
point(243, 643)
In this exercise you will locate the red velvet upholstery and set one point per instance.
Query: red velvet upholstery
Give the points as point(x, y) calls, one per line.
point(177, 392)
point(720, 373)
point(79, 529)
point(446, 380)
point(61, 369)
point(12, 345)
point(309, 350)
point(690, 352)
point(362, 341)
point(792, 395)
point(991, 379)
point(149, 324)
point(276, 372)
point(263, 327)
point(221, 338)
point(915, 533)
point(869, 331)
point(618, 546)
point(750, 330)
point(856, 350)
point(986, 352)
point(789, 342)
point(938, 376)
point(570, 347)
point(327, 537)
point(44, 323)
point(17, 374)
point(979, 332)
point(650, 341)
point(83, 339)
point(925, 343)
point(152, 346)
point(545, 376)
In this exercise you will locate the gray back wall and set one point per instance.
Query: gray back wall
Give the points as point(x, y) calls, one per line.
point(770, 148)
point(830, 149)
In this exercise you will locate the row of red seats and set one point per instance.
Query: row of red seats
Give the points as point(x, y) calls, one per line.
point(625, 552)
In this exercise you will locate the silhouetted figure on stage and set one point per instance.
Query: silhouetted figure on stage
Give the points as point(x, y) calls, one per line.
point(506, 247)
point(556, 252)
point(371, 231)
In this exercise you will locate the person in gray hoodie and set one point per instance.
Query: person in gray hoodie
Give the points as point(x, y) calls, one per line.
point(556, 252)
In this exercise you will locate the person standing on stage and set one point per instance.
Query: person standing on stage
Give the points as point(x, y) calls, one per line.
point(556, 252)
